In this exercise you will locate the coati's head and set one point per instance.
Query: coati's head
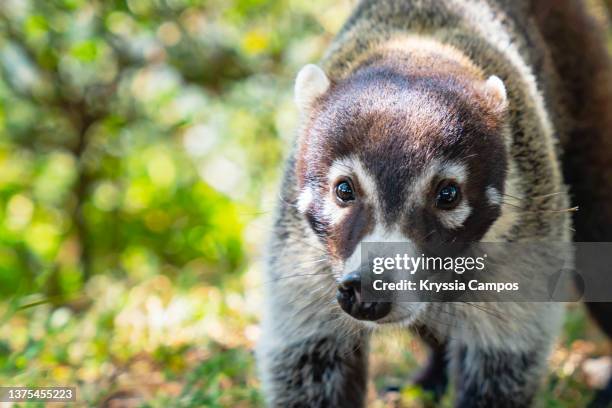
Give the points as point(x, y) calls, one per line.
point(398, 155)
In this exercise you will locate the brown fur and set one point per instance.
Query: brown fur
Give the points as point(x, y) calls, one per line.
point(585, 97)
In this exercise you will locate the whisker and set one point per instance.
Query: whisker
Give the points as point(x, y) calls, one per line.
point(310, 304)
point(512, 205)
point(289, 204)
point(548, 195)
point(572, 209)
point(525, 211)
point(488, 311)
point(311, 262)
point(430, 234)
point(533, 197)
point(297, 275)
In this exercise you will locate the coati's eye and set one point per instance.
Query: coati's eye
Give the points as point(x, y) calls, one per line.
point(344, 191)
point(448, 195)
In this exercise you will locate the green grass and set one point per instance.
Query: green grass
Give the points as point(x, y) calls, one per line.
point(164, 346)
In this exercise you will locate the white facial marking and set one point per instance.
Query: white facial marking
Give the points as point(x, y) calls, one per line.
point(310, 83)
point(353, 168)
point(333, 213)
point(455, 218)
point(304, 200)
point(509, 215)
point(453, 170)
point(353, 262)
point(380, 234)
point(340, 168)
point(443, 170)
point(366, 181)
point(421, 184)
point(349, 167)
point(494, 196)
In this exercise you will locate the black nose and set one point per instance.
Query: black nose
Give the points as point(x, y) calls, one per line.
point(349, 299)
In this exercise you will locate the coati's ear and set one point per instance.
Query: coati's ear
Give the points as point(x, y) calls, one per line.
point(310, 83)
point(496, 93)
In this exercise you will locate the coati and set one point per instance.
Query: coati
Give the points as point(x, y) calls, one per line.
point(435, 121)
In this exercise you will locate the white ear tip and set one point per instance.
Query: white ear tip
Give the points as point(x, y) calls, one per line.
point(310, 83)
point(497, 88)
point(308, 73)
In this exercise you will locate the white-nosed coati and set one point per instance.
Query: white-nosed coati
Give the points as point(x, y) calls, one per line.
point(424, 116)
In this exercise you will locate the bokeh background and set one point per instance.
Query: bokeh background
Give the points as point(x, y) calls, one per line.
point(141, 143)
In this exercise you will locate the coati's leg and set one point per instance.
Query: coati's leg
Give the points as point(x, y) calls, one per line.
point(306, 360)
point(315, 372)
point(496, 378)
point(433, 377)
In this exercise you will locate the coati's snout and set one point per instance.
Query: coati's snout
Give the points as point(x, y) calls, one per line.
point(350, 300)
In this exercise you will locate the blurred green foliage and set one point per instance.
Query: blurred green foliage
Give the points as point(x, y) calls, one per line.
point(140, 139)
point(135, 135)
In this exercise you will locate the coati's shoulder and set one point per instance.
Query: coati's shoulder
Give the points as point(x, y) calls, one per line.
point(374, 22)
point(476, 27)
